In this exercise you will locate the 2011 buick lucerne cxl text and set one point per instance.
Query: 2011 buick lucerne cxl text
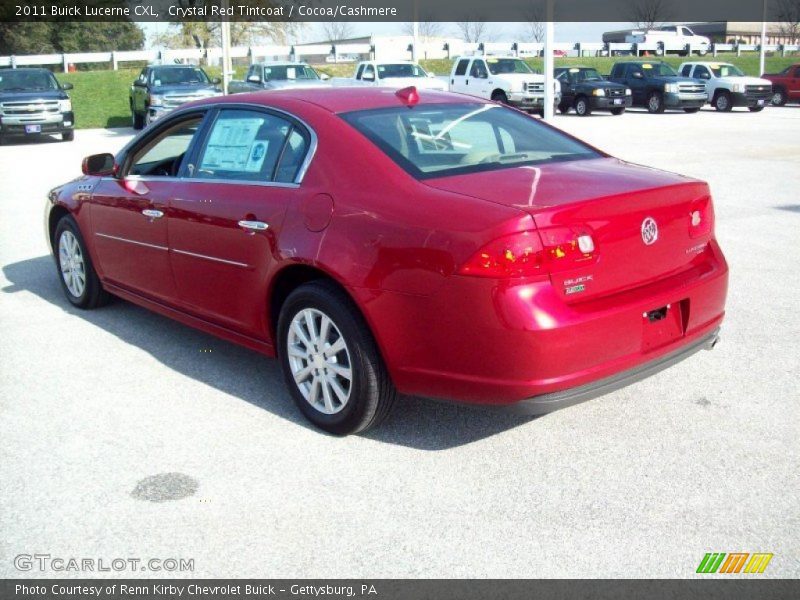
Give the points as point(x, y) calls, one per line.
point(382, 242)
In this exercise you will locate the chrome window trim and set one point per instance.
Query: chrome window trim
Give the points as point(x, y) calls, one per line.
point(145, 178)
point(121, 239)
point(313, 144)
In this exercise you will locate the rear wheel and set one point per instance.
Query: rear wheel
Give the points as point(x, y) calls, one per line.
point(655, 103)
point(582, 106)
point(79, 280)
point(691, 110)
point(722, 102)
point(500, 97)
point(779, 97)
point(330, 361)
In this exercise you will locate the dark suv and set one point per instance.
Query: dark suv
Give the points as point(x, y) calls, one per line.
point(32, 102)
point(656, 86)
point(585, 90)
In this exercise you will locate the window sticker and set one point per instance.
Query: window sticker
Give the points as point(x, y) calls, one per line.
point(574, 70)
point(491, 61)
point(157, 82)
point(647, 66)
point(232, 146)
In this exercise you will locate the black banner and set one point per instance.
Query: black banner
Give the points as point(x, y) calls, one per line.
point(389, 10)
point(387, 589)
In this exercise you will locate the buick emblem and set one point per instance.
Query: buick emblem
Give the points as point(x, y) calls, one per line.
point(649, 231)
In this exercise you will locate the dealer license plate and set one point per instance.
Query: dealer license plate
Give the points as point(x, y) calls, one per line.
point(33, 128)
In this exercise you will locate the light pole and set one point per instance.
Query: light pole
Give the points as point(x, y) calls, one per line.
point(225, 27)
point(762, 53)
point(549, 92)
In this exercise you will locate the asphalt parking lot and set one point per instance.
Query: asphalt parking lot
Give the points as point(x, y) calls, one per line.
point(125, 434)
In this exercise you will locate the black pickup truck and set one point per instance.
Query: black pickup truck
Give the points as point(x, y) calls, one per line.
point(656, 86)
point(585, 90)
point(32, 102)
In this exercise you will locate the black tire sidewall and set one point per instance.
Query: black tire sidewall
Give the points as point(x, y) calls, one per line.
point(91, 289)
point(359, 411)
point(500, 97)
point(585, 104)
point(660, 108)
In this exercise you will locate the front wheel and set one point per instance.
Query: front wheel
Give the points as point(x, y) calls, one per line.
point(655, 103)
point(79, 280)
point(779, 97)
point(68, 136)
point(330, 361)
point(500, 97)
point(582, 107)
point(723, 102)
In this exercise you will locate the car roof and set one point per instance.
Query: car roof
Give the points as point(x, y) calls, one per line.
point(343, 99)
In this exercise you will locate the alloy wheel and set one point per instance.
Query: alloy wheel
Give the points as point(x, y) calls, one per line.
point(654, 103)
point(73, 267)
point(319, 360)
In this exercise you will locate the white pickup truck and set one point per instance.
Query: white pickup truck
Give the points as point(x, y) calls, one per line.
point(675, 38)
point(397, 74)
point(727, 86)
point(505, 79)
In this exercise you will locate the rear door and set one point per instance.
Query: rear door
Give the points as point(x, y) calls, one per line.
point(457, 79)
point(225, 223)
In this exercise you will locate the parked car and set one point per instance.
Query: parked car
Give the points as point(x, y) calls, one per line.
point(413, 242)
point(505, 79)
point(161, 89)
point(657, 87)
point(785, 85)
point(32, 102)
point(673, 36)
point(585, 90)
point(727, 86)
point(397, 74)
point(278, 76)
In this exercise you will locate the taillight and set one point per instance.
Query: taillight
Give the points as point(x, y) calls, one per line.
point(526, 254)
point(701, 217)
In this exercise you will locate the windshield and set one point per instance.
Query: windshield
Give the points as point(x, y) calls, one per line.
point(498, 66)
point(13, 80)
point(400, 70)
point(283, 72)
point(726, 71)
point(449, 139)
point(178, 76)
point(658, 70)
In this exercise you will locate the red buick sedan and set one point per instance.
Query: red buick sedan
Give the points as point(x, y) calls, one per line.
point(383, 242)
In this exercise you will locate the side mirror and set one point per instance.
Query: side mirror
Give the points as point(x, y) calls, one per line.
point(254, 79)
point(98, 164)
point(216, 81)
point(139, 83)
point(369, 77)
point(432, 75)
point(67, 86)
point(637, 75)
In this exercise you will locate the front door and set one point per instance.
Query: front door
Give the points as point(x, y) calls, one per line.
point(225, 224)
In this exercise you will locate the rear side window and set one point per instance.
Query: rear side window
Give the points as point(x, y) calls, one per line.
point(248, 145)
point(449, 139)
point(461, 68)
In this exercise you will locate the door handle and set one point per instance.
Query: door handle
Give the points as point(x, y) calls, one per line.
point(152, 214)
point(253, 225)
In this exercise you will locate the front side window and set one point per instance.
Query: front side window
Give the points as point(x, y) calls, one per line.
point(478, 69)
point(498, 66)
point(450, 139)
point(701, 73)
point(162, 156)
point(248, 145)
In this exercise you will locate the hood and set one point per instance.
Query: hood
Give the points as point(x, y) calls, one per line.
point(531, 188)
point(28, 95)
point(185, 89)
point(423, 83)
point(674, 79)
point(601, 84)
point(288, 84)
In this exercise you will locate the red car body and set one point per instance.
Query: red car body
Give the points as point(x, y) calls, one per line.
point(785, 85)
point(402, 247)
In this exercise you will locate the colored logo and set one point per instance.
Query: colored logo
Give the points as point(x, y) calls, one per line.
point(734, 562)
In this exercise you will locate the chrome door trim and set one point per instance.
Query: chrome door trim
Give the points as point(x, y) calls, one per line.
point(254, 225)
point(152, 213)
point(212, 258)
point(121, 239)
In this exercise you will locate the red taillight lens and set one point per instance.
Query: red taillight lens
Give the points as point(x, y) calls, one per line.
point(701, 217)
point(525, 254)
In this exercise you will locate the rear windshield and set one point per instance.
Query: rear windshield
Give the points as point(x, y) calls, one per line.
point(436, 140)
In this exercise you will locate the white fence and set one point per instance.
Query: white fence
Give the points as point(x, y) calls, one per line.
point(378, 51)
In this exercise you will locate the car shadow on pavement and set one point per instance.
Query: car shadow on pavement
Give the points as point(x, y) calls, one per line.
point(414, 422)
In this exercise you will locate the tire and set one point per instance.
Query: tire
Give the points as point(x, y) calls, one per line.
point(563, 108)
point(70, 251)
point(539, 113)
point(137, 120)
point(655, 103)
point(779, 97)
point(755, 108)
point(691, 111)
point(582, 106)
point(2, 140)
point(360, 403)
point(722, 102)
point(500, 97)
point(617, 111)
point(68, 136)
point(702, 52)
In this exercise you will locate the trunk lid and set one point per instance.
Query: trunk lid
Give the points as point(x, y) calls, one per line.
point(639, 219)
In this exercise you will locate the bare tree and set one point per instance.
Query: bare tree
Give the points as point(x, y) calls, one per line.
point(426, 29)
point(646, 14)
point(787, 15)
point(533, 23)
point(337, 30)
point(473, 31)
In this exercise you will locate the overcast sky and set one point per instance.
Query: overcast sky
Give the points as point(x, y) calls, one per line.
point(500, 32)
